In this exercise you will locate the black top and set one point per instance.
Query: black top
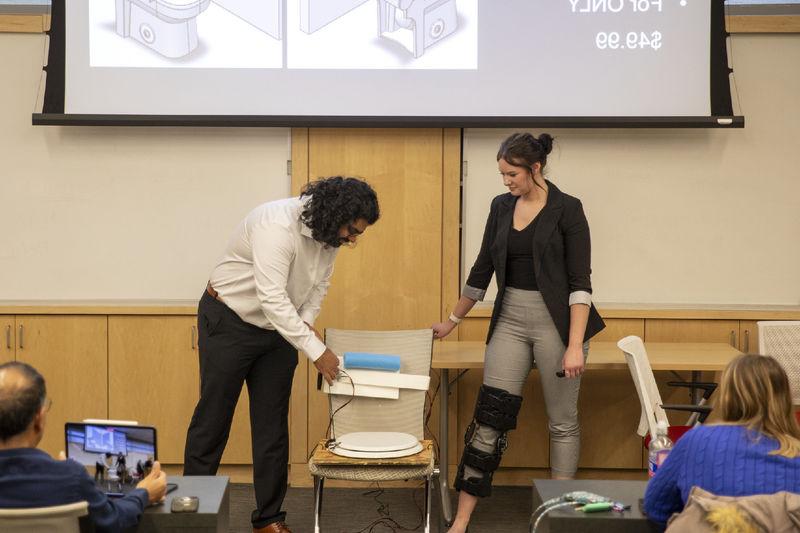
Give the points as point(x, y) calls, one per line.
point(561, 257)
point(519, 263)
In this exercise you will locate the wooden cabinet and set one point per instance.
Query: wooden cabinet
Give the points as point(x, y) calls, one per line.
point(8, 338)
point(748, 336)
point(392, 279)
point(153, 378)
point(142, 364)
point(617, 328)
point(669, 330)
point(70, 352)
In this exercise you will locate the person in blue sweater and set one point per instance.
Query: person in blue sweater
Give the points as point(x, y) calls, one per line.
point(754, 450)
point(31, 478)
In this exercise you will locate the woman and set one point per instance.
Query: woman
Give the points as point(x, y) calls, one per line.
point(755, 450)
point(537, 243)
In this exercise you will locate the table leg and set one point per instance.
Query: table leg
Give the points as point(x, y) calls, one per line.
point(444, 388)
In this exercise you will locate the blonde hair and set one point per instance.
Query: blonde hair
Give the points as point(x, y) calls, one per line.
point(754, 392)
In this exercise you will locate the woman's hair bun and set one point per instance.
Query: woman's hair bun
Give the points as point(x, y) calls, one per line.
point(545, 140)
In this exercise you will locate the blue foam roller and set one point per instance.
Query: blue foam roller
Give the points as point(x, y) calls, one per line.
point(372, 361)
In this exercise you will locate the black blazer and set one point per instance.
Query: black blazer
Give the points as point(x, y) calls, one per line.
point(561, 258)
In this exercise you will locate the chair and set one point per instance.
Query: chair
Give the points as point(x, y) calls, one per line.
point(781, 340)
point(374, 414)
point(653, 411)
point(61, 518)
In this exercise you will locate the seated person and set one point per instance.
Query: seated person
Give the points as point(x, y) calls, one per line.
point(25, 470)
point(754, 450)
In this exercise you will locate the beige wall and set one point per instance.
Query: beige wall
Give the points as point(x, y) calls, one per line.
point(119, 213)
point(682, 216)
point(678, 216)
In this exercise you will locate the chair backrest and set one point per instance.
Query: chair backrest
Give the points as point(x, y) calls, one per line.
point(781, 340)
point(61, 518)
point(646, 387)
point(403, 415)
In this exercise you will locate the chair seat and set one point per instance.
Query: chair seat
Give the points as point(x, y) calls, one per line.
point(371, 473)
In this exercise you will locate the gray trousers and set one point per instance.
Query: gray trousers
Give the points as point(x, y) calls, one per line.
point(524, 336)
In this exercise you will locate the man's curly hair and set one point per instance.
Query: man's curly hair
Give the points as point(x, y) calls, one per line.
point(335, 202)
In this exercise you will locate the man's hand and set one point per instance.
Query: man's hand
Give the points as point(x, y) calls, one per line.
point(328, 365)
point(155, 484)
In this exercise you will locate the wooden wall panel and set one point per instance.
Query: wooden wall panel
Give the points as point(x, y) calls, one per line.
point(763, 23)
point(154, 378)
point(658, 330)
point(24, 23)
point(8, 338)
point(70, 352)
point(617, 328)
point(609, 413)
point(298, 406)
point(393, 278)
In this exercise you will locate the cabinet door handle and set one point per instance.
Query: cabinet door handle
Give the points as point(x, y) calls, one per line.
point(8, 337)
point(747, 341)
point(21, 337)
point(733, 338)
point(194, 337)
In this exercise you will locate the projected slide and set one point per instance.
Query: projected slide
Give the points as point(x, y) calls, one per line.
point(391, 58)
point(382, 34)
point(186, 33)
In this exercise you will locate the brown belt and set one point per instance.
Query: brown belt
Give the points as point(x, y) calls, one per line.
point(210, 290)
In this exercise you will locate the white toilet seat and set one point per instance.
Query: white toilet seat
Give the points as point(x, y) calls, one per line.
point(376, 445)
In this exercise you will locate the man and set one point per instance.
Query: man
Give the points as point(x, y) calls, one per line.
point(256, 313)
point(31, 478)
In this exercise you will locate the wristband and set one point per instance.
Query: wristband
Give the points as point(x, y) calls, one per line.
point(454, 319)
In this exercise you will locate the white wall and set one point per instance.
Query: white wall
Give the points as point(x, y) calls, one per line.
point(119, 213)
point(678, 216)
point(681, 216)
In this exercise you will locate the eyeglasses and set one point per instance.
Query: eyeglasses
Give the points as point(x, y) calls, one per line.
point(47, 404)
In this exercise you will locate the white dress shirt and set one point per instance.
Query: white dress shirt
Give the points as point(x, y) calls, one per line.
point(274, 275)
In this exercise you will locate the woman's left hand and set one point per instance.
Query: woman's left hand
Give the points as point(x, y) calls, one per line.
point(573, 362)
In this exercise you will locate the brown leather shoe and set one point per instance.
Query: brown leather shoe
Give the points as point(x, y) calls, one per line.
point(275, 527)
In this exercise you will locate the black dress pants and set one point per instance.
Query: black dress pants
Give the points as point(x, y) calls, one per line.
point(233, 352)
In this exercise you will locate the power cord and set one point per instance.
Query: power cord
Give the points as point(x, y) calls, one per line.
point(330, 431)
point(567, 499)
point(386, 521)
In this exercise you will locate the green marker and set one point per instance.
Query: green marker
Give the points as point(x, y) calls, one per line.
point(597, 507)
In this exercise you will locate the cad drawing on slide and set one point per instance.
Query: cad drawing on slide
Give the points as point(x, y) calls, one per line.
point(169, 27)
point(430, 21)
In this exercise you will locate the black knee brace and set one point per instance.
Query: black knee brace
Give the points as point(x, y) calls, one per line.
point(498, 409)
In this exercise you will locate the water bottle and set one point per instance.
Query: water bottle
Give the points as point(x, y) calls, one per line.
point(659, 449)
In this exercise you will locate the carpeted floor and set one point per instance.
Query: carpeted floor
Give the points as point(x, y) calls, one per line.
point(353, 510)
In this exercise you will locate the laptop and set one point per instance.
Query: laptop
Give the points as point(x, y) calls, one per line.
point(118, 456)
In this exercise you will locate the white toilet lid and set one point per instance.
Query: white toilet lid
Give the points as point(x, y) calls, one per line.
point(377, 442)
point(377, 455)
